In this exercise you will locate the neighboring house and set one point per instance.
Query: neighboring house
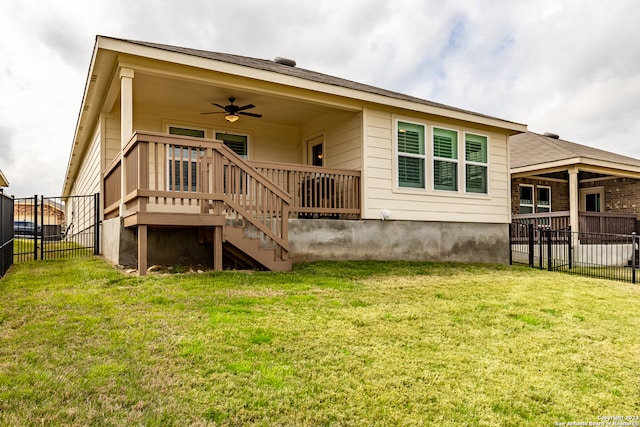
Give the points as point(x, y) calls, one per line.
point(3, 180)
point(559, 183)
point(204, 157)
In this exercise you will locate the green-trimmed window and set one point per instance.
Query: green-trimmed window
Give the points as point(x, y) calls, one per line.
point(237, 143)
point(445, 159)
point(411, 155)
point(476, 163)
point(183, 167)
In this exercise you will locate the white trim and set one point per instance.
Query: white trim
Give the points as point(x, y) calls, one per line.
point(592, 190)
point(487, 164)
point(537, 199)
point(533, 195)
point(307, 145)
point(248, 136)
point(459, 173)
point(425, 157)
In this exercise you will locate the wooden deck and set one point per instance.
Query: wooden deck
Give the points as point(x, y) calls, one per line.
point(164, 180)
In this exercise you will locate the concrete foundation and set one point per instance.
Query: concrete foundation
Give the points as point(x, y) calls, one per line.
point(317, 239)
point(327, 239)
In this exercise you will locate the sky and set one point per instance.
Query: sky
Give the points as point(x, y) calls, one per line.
point(571, 67)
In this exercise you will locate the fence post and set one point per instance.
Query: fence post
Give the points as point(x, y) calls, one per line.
point(549, 250)
point(510, 244)
point(569, 248)
point(35, 227)
point(96, 224)
point(634, 256)
point(531, 247)
point(540, 248)
point(41, 227)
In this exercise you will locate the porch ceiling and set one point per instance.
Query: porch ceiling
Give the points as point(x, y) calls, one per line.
point(197, 97)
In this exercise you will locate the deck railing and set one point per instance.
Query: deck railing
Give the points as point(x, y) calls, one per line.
point(170, 174)
point(315, 191)
point(589, 222)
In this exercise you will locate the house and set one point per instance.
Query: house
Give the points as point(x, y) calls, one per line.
point(205, 157)
point(3, 180)
point(559, 183)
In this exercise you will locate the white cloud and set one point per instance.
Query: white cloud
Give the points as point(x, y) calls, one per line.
point(570, 67)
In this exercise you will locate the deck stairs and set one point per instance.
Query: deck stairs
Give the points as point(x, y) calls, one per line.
point(243, 246)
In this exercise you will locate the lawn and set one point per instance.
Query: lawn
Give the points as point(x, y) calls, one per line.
point(362, 343)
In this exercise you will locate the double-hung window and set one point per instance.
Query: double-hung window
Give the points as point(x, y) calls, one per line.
point(445, 159)
point(411, 155)
point(526, 198)
point(476, 166)
point(183, 165)
point(237, 143)
point(543, 194)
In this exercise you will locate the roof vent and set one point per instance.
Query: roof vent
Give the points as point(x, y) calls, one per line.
point(285, 61)
point(552, 135)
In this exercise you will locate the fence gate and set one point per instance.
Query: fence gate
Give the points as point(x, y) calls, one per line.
point(55, 227)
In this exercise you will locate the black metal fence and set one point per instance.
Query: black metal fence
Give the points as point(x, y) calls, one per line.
point(6, 232)
point(55, 227)
point(607, 256)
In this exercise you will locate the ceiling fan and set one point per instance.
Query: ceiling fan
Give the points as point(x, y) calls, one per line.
point(232, 111)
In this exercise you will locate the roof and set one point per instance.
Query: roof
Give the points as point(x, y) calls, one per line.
point(3, 180)
point(269, 65)
point(531, 150)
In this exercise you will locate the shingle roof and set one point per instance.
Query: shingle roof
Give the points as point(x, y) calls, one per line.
point(269, 65)
point(529, 149)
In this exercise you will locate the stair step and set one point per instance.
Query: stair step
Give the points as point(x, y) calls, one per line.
point(251, 247)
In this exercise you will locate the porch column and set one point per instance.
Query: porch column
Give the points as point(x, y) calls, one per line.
point(126, 124)
point(574, 204)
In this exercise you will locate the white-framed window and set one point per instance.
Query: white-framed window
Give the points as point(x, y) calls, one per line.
point(543, 199)
point(238, 143)
point(526, 198)
point(476, 163)
point(592, 199)
point(411, 154)
point(182, 161)
point(445, 159)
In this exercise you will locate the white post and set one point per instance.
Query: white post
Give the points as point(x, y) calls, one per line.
point(574, 205)
point(126, 124)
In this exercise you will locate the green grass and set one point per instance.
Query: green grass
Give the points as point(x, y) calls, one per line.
point(359, 343)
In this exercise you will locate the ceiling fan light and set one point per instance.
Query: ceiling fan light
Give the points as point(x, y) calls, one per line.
point(231, 117)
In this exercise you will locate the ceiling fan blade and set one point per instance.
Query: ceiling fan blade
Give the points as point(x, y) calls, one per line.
point(246, 107)
point(214, 112)
point(218, 105)
point(250, 114)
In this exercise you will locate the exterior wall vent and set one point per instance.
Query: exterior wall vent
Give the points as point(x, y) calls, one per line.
point(552, 135)
point(285, 61)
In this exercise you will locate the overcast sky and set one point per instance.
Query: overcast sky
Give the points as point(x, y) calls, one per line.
point(570, 67)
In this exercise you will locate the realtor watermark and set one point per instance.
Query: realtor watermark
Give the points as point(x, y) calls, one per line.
point(605, 421)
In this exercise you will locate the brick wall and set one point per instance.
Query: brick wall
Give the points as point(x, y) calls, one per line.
point(621, 195)
point(559, 193)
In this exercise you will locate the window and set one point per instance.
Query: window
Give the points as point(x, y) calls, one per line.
point(543, 199)
point(183, 166)
point(411, 155)
point(475, 155)
point(445, 159)
point(592, 199)
point(526, 199)
point(237, 143)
